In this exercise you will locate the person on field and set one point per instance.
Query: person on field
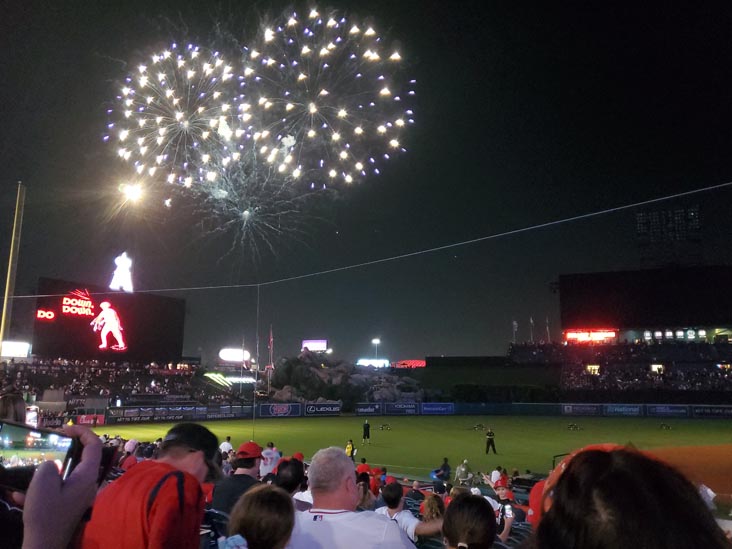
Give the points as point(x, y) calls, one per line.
point(366, 432)
point(490, 441)
point(351, 450)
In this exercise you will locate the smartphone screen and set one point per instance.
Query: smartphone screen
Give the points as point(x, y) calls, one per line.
point(26, 446)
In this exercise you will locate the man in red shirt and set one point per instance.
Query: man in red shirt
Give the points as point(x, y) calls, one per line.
point(157, 504)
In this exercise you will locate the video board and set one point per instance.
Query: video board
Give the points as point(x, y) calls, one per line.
point(82, 321)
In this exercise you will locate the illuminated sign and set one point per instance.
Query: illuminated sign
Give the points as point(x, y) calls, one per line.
point(77, 303)
point(122, 277)
point(315, 345)
point(590, 336)
point(234, 354)
point(108, 322)
point(18, 349)
point(42, 314)
point(375, 362)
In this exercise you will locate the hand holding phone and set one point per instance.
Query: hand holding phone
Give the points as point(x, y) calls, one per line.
point(53, 507)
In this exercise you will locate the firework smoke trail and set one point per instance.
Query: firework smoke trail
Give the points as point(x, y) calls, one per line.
point(255, 206)
point(331, 98)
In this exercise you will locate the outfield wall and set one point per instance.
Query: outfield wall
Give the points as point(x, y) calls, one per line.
point(167, 413)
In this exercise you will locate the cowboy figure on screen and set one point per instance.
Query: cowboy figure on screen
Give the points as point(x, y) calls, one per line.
point(108, 322)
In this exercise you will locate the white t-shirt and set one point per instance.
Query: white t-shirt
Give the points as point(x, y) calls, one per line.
point(226, 447)
point(404, 518)
point(333, 529)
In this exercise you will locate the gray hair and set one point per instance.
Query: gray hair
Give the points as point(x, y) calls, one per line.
point(327, 469)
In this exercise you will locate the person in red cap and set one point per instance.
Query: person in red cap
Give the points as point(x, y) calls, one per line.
point(246, 467)
point(505, 513)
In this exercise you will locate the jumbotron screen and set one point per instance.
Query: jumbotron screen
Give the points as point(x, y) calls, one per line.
point(74, 320)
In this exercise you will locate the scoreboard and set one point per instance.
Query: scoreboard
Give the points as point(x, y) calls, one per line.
point(82, 321)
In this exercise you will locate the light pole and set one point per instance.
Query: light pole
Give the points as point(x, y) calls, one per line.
point(376, 342)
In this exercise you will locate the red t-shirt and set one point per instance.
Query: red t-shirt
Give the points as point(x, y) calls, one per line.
point(128, 462)
point(363, 468)
point(152, 506)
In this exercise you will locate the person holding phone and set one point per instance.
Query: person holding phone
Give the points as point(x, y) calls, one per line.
point(54, 507)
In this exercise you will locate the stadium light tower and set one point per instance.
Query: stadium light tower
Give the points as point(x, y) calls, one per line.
point(376, 342)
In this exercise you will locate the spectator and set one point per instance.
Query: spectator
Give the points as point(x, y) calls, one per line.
point(505, 514)
point(463, 474)
point(12, 407)
point(394, 509)
point(363, 467)
point(246, 467)
point(226, 446)
point(469, 522)
point(621, 498)
point(415, 493)
point(290, 476)
point(128, 460)
point(158, 504)
point(53, 509)
point(433, 508)
point(270, 457)
point(264, 517)
point(366, 501)
point(333, 522)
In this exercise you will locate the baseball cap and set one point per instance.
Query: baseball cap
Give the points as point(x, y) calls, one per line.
point(196, 437)
point(501, 483)
point(299, 456)
point(249, 450)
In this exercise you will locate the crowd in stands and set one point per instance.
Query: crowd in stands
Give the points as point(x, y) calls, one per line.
point(634, 376)
point(177, 492)
point(559, 353)
point(93, 378)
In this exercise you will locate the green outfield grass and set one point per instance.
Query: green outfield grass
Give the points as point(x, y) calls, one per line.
point(416, 445)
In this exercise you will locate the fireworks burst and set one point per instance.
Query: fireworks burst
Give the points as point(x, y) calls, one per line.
point(331, 100)
point(253, 135)
point(174, 113)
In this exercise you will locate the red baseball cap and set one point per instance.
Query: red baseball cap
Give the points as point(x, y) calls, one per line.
point(249, 450)
point(501, 483)
point(299, 456)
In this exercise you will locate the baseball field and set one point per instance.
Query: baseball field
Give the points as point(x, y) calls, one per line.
point(413, 446)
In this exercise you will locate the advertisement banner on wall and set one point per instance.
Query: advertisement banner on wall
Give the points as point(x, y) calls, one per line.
point(400, 408)
point(280, 410)
point(712, 411)
point(369, 409)
point(626, 410)
point(667, 410)
point(323, 409)
point(438, 408)
point(581, 409)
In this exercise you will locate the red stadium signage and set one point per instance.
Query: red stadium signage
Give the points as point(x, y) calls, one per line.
point(42, 314)
point(590, 336)
point(78, 303)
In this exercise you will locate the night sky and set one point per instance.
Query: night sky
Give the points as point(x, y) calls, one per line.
point(526, 113)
